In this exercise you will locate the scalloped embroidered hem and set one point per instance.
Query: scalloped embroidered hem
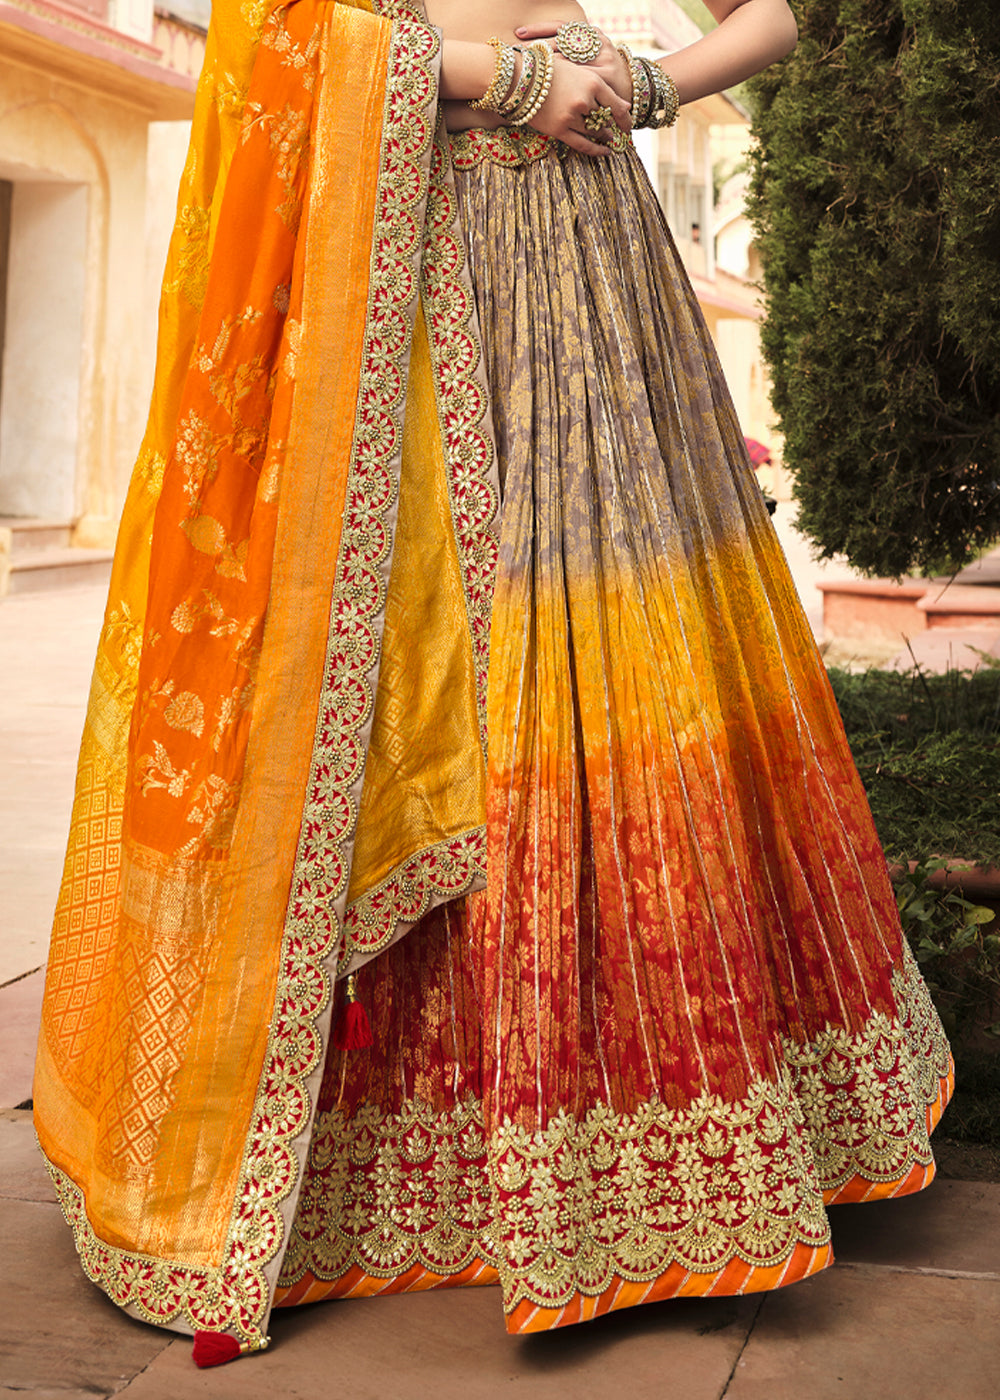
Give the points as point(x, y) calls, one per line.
point(775, 1267)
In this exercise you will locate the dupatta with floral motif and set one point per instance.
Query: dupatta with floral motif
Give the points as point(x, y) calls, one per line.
point(283, 762)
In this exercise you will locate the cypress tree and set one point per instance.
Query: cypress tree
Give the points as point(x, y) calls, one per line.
point(876, 195)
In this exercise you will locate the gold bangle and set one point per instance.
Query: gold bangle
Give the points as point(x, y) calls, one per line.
point(667, 102)
point(503, 78)
point(642, 93)
point(673, 105)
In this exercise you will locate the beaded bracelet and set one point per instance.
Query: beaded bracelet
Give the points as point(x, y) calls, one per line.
point(503, 78)
point(544, 69)
point(642, 92)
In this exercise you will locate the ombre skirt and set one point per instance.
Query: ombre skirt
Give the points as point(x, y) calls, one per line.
point(681, 1020)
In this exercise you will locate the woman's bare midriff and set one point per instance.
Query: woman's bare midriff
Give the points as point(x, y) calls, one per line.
point(475, 20)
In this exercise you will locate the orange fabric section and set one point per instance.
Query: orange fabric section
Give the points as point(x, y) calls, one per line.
point(222, 728)
point(677, 1282)
point(357, 1284)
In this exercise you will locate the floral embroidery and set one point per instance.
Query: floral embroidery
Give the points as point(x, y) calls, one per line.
point(440, 872)
point(392, 1191)
point(501, 147)
point(588, 1199)
point(186, 711)
point(191, 273)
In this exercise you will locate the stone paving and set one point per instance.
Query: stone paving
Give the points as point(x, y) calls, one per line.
point(911, 1310)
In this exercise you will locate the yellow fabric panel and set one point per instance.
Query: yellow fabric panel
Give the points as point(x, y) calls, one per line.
point(425, 778)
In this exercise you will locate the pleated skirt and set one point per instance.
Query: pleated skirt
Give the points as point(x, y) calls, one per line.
point(681, 1020)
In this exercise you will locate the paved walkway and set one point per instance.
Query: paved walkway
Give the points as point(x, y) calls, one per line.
point(909, 1313)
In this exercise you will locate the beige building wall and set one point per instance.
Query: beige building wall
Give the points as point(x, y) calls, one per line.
point(83, 217)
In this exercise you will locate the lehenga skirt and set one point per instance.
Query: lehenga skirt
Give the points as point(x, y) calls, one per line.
point(681, 1020)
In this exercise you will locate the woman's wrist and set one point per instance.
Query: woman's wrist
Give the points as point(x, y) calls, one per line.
point(467, 70)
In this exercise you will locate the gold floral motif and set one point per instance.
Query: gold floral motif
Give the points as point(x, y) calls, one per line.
point(208, 536)
point(570, 1207)
point(156, 770)
point(289, 136)
point(518, 146)
point(197, 452)
point(186, 711)
point(150, 467)
point(124, 632)
point(188, 614)
point(303, 59)
point(208, 359)
point(213, 812)
point(191, 274)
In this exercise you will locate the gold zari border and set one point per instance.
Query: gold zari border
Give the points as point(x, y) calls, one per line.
point(568, 1209)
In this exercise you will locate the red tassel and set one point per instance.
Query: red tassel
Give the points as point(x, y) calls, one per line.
point(215, 1348)
point(353, 1030)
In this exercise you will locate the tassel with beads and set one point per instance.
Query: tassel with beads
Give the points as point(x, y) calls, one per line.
point(353, 1030)
point(216, 1348)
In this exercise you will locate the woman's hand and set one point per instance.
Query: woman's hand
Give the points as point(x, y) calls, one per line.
point(609, 63)
point(577, 89)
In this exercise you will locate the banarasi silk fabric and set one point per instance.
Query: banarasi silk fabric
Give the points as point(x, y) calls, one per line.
point(449, 644)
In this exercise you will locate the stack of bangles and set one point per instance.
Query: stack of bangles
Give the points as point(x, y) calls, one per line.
point(517, 98)
point(655, 99)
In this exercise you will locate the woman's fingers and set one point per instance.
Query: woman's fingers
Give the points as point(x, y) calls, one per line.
point(537, 31)
point(620, 109)
point(586, 145)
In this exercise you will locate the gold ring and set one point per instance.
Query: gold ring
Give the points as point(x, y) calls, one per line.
point(599, 118)
point(580, 43)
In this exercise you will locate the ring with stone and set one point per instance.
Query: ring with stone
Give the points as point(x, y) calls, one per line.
point(580, 43)
point(598, 118)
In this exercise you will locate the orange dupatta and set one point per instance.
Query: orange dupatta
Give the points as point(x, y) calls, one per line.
point(283, 762)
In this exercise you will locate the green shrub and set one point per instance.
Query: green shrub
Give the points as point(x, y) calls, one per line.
point(928, 751)
point(877, 204)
